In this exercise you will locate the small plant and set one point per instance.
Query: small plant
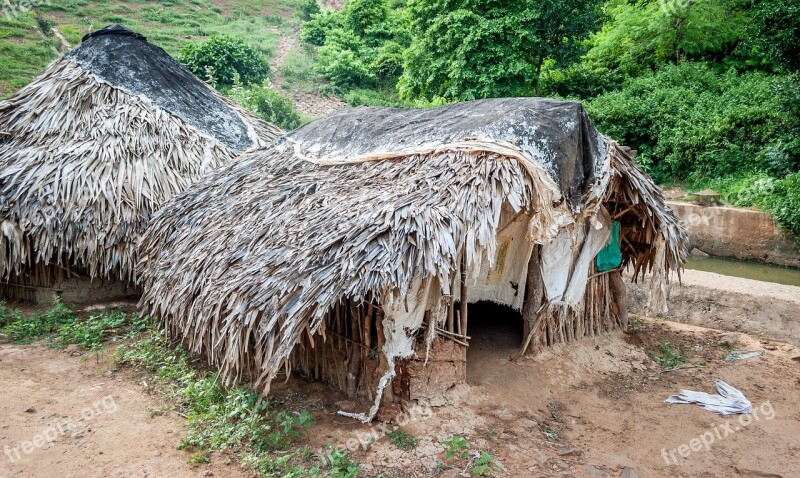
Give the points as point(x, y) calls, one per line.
point(402, 440)
point(668, 357)
point(485, 465)
point(267, 103)
point(199, 458)
point(23, 330)
point(456, 446)
point(92, 332)
point(341, 466)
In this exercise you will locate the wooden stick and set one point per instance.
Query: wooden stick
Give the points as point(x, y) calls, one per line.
point(464, 298)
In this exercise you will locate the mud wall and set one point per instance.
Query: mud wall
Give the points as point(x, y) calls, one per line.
point(738, 233)
point(728, 303)
point(71, 291)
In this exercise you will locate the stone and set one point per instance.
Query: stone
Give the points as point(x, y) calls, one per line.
point(628, 472)
point(594, 472)
point(30, 410)
point(698, 253)
point(566, 451)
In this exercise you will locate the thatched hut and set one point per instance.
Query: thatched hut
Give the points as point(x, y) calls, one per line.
point(349, 249)
point(91, 148)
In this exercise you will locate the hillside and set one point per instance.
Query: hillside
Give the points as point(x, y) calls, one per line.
point(29, 41)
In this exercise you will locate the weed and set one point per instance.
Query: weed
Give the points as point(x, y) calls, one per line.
point(456, 446)
point(402, 440)
point(341, 465)
point(91, 333)
point(484, 465)
point(23, 330)
point(199, 458)
point(668, 357)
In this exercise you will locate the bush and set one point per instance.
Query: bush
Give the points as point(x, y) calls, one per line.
point(343, 60)
point(316, 30)
point(308, 9)
point(268, 104)
point(784, 203)
point(692, 122)
point(221, 58)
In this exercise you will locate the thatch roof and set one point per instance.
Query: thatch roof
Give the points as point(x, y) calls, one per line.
point(377, 202)
point(93, 146)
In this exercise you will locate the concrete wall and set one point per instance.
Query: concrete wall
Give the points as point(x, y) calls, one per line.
point(738, 233)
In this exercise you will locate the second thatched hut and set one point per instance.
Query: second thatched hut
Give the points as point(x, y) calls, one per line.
point(349, 249)
point(90, 149)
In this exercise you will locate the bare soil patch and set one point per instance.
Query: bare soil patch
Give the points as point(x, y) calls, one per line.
point(593, 408)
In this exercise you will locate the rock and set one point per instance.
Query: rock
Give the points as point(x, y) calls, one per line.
point(565, 451)
point(730, 338)
point(30, 410)
point(628, 472)
point(594, 472)
point(698, 253)
point(158, 453)
point(72, 349)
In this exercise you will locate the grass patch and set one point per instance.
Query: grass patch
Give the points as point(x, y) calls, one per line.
point(402, 440)
point(223, 420)
point(667, 356)
point(170, 24)
point(60, 326)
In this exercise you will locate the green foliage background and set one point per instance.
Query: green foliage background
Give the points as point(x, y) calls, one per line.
point(706, 90)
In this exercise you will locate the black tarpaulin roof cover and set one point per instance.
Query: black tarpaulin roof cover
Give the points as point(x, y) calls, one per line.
point(125, 60)
point(557, 134)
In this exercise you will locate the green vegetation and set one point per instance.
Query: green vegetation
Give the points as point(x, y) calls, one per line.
point(668, 357)
point(480, 463)
point(223, 420)
point(402, 440)
point(60, 326)
point(341, 465)
point(221, 59)
point(268, 104)
point(707, 92)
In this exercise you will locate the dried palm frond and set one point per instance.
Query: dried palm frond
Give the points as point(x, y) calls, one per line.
point(374, 205)
point(84, 163)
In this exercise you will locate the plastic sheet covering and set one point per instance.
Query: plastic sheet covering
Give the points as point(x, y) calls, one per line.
point(730, 401)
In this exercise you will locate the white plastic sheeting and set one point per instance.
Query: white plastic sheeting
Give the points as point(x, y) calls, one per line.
point(730, 400)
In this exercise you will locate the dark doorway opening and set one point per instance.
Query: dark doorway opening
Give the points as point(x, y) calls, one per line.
point(496, 334)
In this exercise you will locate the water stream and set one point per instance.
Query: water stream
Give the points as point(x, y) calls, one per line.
point(745, 269)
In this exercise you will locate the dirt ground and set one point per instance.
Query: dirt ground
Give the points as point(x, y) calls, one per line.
point(591, 409)
point(706, 299)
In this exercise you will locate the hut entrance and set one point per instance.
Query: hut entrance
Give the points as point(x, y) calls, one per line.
point(496, 332)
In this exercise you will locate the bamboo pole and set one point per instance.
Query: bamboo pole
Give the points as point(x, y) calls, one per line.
point(464, 298)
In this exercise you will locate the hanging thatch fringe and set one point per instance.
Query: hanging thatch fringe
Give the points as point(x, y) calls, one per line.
point(83, 166)
point(260, 257)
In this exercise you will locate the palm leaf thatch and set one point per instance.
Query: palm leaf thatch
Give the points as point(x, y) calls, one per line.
point(96, 144)
point(400, 211)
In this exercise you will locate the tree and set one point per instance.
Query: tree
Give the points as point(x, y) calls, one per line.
point(221, 58)
point(467, 49)
point(640, 36)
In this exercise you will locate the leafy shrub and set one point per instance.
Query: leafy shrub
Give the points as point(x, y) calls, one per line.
point(92, 332)
point(363, 14)
point(692, 122)
point(784, 203)
point(221, 58)
point(268, 104)
point(40, 324)
point(343, 60)
point(308, 9)
point(316, 30)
